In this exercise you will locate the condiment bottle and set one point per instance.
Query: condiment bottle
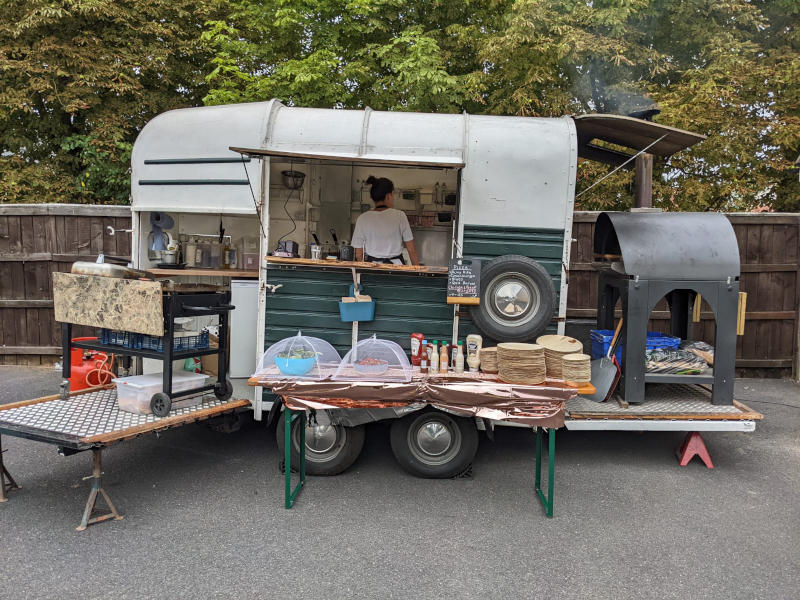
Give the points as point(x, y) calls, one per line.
point(460, 359)
point(474, 345)
point(453, 352)
point(416, 348)
point(434, 364)
point(423, 363)
point(443, 362)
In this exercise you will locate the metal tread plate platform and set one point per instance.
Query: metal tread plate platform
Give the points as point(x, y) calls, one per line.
point(93, 418)
point(663, 402)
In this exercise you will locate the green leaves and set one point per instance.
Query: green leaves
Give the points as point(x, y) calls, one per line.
point(80, 78)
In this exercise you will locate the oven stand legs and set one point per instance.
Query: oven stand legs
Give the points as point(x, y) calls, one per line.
point(7, 482)
point(547, 501)
point(97, 488)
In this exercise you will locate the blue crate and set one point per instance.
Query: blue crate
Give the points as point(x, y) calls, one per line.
point(126, 339)
point(356, 311)
point(601, 341)
point(189, 342)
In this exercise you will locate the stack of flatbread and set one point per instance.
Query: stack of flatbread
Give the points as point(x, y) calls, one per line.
point(489, 360)
point(521, 363)
point(577, 369)
point(557, 347)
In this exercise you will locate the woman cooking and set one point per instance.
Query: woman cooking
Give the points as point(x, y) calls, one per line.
point(380, 234)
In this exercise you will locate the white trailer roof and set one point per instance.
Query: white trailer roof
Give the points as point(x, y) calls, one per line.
point(516, 171)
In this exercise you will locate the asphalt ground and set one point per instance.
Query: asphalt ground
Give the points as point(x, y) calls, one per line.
point(204, 517)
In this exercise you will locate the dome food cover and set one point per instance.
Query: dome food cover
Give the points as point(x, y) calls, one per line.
point(376, 360)
point(299, 357)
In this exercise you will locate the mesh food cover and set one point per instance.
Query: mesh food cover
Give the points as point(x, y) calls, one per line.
point(299, 357)
point(376, 360)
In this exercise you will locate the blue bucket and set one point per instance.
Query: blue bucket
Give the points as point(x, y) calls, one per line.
point(356, 311)
point(295, 366)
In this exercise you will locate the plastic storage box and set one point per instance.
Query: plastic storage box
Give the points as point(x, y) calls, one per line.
point(601, 341)
point(181, 341)
point(134, 393)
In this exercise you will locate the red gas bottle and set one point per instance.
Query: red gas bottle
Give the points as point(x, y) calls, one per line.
point(89, 368)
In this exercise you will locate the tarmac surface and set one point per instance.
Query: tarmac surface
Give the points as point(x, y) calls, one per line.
point(204, 517)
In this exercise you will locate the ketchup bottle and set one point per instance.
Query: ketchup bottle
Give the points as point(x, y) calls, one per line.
point(416, 348)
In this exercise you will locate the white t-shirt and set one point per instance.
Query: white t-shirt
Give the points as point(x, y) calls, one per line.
point(381, 233)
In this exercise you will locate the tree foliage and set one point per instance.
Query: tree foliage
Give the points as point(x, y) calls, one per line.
point(79, 78)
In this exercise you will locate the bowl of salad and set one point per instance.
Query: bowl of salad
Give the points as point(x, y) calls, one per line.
point(371, 366)
point(296, 362)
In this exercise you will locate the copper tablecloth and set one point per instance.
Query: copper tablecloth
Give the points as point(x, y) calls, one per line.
point(471, 395)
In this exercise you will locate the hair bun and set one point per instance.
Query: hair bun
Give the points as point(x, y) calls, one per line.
point(370, 180)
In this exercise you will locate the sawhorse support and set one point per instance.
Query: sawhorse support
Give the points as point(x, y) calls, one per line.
point(289, 418)
point(97, 488)
point(547, 501)
point(693, 445)
point(7, 482)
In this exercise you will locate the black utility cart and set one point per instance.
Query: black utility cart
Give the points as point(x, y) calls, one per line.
point(184, 300)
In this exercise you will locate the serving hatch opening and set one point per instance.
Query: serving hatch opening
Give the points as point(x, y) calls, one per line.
point(334, 193)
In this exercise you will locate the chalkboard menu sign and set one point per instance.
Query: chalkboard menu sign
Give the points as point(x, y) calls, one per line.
point(464, 281)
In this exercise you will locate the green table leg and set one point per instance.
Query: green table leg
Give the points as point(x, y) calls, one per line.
point(289, 418)
point(547, 501)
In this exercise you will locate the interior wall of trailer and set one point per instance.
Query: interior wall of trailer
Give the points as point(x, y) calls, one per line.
point(243, 230)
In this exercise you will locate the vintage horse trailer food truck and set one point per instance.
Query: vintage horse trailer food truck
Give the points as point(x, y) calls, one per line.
point(239, 182)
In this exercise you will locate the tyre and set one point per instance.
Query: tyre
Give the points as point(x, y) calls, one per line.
point(518, 299)
point(223, 390)
point(330, 449)
point(160, 404)
point(434, 444)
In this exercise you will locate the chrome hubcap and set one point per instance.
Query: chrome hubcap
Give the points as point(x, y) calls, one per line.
point(320, 438)
point(434, 438)
point(513, 299)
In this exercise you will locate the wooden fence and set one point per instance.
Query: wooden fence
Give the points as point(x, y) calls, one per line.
point(769, 250)
point(35, 240)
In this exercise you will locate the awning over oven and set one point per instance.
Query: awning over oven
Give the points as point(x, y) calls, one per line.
point(628, 132)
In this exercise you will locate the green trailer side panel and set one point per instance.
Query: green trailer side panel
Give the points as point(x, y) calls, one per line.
point(545, 246)
point(309, 302)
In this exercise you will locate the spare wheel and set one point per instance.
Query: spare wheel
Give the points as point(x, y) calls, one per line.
point(518, 299)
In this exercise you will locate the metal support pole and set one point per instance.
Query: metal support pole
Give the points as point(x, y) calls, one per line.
point(547, 501)
point(7, 482)
point(290, 417)
point(97, 488)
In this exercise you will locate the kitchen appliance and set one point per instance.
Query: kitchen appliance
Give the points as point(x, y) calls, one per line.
point(347, 252)
point(288, 249)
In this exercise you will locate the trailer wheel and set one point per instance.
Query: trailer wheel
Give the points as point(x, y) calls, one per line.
point(330, 449)
point(518, 299)
point(434, 444)
point(160, 404)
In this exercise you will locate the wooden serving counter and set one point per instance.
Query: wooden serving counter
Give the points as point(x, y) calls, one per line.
point(361, 266)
